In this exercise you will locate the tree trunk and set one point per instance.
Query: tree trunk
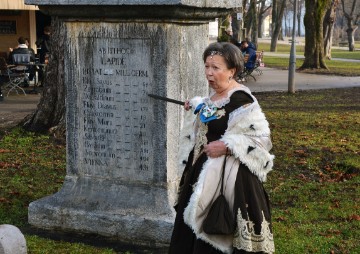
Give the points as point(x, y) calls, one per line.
point(50, 112)
point(249, 22)
point(352, 19)
point(254, 34)
point(235, 26)
point(261, 16)
point(260, 19)
point(350, 35)
point(277, 16)
point(314, 43)
point(329, 22)
point(300, 7)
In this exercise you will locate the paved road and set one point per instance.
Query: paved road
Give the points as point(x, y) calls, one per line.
point(15, 107)
point(277, 80)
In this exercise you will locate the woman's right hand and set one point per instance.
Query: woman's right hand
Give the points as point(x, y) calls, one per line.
point(187, 106)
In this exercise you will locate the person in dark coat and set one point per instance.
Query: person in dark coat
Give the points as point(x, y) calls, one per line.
point(22, 48)
point(251, 52)
point(44, 50)
point(45, 44)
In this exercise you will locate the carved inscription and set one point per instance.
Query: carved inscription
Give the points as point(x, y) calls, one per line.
point(115, 117)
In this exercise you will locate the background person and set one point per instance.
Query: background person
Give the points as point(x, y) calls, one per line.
point(44, 44)
point(44, 50)
point(251, 52)
point(228, 122)
point(22, 48)
point(251, 45)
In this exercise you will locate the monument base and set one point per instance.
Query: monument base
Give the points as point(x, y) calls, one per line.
point(93, 209)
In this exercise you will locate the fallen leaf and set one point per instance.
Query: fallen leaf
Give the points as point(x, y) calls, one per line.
point(354, 217)
point(4, 200)
point(280, 218)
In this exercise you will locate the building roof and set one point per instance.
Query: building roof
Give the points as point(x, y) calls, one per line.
point(16, 5)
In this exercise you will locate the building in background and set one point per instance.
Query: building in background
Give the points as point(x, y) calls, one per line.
point(18, 19)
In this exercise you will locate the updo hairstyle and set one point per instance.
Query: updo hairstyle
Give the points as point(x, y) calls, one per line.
point(231, 53)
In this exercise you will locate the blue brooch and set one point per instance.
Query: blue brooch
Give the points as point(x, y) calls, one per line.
point(208, 112)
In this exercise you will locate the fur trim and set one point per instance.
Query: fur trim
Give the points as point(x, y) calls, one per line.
point(187, 139)
point(248, 137)
point(194, 102)
point(187, 135)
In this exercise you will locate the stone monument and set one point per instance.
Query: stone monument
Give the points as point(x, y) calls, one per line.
point(122, 145)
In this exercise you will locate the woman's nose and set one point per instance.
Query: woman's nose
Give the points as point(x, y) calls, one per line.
point(208, 72)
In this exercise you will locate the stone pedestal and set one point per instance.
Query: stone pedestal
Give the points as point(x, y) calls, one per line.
point(122, 146)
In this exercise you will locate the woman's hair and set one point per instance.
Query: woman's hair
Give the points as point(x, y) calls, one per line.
point(231, 54)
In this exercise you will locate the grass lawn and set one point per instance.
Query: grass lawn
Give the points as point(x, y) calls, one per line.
point(340, 68)
point(314, 188)
point(336, 67)
point(335, 53)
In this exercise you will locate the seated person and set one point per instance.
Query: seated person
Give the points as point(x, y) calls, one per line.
point(249, 50)
point(22, 48)
point(252, 45)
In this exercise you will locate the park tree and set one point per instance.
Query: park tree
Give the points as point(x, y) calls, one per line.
point(277, 16)
point(263, 7)
point(248, 17)
point(254, 23)
point(314, 43)
point(50, 112)
point(329, 21)
point(351, 11)
point(300, 8)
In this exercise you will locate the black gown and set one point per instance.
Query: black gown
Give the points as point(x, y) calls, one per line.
point(250, 195)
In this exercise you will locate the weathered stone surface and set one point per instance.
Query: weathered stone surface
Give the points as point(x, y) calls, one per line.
point(194, 3)
point(173, 10)
point(122, 166)
point(12, 241)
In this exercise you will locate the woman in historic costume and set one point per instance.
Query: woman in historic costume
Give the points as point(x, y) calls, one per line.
point(229, 123)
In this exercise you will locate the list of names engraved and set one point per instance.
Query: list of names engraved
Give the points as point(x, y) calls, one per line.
point(115, 115)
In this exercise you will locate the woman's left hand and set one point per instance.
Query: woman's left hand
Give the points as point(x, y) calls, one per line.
point(215, 149)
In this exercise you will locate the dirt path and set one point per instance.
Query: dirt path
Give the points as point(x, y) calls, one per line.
point(15, 107)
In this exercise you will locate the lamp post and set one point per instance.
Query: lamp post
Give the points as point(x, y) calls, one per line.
point(292, 61)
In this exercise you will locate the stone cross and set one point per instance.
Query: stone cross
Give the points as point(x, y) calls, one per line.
point(122, 169)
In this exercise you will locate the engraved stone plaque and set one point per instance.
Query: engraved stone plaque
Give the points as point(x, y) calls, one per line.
point(115, 115)
point(122, 146)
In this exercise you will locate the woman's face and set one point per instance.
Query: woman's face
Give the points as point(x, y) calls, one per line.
point(217, 73)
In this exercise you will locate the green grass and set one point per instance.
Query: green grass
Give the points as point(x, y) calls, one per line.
point(40, 245)
point(314, 188)
point(338, 53)
point(336, 67)
point(285, 48)
point(340, 68)
point(335, 53)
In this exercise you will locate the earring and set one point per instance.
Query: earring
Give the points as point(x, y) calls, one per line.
point(230, 78)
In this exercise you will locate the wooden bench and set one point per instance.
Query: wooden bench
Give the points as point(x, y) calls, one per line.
point(259, 62)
